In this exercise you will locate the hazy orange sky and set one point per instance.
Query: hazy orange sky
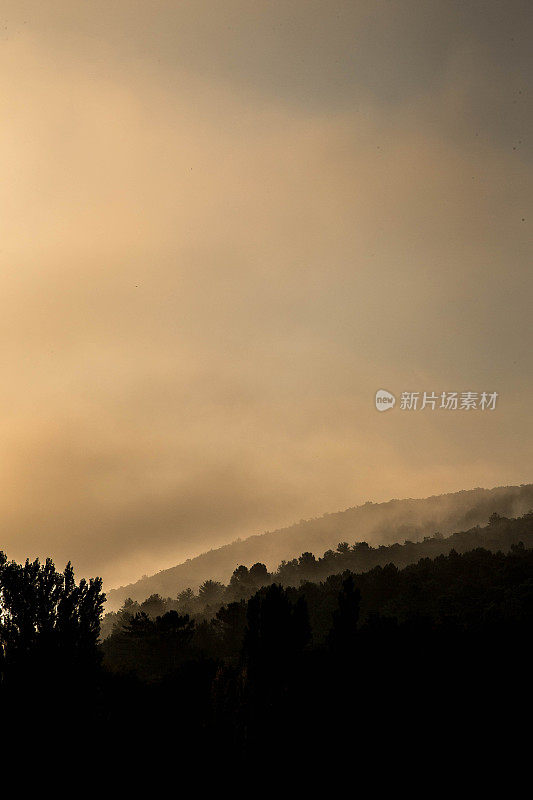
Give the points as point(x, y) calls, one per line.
point(224, 226)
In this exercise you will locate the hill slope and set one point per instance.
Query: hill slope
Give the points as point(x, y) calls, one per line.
point(376, 523)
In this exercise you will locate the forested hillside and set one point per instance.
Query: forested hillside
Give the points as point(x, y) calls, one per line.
point(390, 651)
point(500, 534)
point(375, 523)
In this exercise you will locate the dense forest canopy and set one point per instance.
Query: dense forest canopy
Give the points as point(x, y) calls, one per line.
point(500, 534)
point(376, 523)
point(419, 631)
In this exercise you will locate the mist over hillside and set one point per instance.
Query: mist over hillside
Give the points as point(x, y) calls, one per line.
point(375, 523)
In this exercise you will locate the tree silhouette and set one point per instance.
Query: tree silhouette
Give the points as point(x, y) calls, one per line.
point(211, 592)
point(49, 630)
point(343, 635)
point(46, 617)
point(276, 632)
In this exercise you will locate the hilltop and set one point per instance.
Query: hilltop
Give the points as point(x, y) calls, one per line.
point(375, 523)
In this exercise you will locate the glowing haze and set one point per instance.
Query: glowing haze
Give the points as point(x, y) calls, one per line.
point(224, 226)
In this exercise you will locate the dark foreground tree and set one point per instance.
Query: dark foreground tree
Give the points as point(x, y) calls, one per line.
point(151, 648)
point(342, 638)
point(277, 631)
point(49, 624)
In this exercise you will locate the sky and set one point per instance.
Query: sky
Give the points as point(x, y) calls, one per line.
point(224, 225)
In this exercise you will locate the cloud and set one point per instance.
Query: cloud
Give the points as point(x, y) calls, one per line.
point(222, 231)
